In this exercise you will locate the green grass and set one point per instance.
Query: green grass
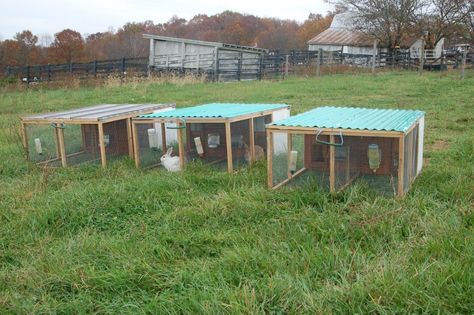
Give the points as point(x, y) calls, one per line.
point(122, 240)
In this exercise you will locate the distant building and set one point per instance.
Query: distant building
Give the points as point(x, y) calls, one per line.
point(340, 36)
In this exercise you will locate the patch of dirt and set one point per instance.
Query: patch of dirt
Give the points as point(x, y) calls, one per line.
point(439, 145)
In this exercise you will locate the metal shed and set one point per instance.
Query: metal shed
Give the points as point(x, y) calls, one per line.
point(224, 61)
point(333, 146)
point(225, 135)
point(86, 134)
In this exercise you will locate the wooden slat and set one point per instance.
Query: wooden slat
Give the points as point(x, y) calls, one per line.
point(62, 149)
point(289, 142)
point(24, 139)
point(332, 165)
point(333, 131)
point(228, 140)
point(163, 137)
point(401, 160)
point(130, 138)
point(299, 172)
point(269, 158)
point(181, 145)
point(103, 156)
point(252, 140)
point(136, 149)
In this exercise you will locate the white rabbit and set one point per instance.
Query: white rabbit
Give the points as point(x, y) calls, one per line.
point(171, 163)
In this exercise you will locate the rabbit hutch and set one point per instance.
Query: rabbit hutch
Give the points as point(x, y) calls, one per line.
point(224, 135)
point(330, 147)
point(90, 134)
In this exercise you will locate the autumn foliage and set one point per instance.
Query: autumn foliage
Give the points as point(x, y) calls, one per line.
point(229, 27)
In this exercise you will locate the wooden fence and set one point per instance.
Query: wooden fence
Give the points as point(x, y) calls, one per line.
point(270, 65)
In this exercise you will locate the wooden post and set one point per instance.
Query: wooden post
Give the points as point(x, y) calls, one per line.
point(374, 55)
point(332, 165)
point(136, 148)
point(463, 63)
point(216, 64)
point(163, 137)
point(239, 66)
point(62, 149)
point(269, 158)
point(286, 67)
point(228, 142)
point(130, 137)
point(289, 142)
point(318, 62)
point(181, 144)
point(422, 55)
point(103, 156)
point(252, 139)
point(58, 150)
point(401, 161)
point(24, 139)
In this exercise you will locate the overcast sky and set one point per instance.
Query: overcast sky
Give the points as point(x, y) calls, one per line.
point(91, 16)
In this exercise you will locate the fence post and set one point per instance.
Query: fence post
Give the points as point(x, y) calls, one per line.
point(318, 62)
point(122, 66)
point(260, 67)
point(463, 62)
point(94, 68)
point(49, 72)
point(8, 71)
point(286, 66)
point(239, 66)
point(70, 67)
point(422, 56)
point(374, 55)
point(28, 73)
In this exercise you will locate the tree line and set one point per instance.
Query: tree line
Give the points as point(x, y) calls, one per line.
point(228, 27)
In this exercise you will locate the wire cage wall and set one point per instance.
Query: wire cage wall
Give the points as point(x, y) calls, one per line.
point(93, 134)
point(330, 147)
point(226, 136)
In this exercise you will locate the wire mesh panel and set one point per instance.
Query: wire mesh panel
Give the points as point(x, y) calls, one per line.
point(241, 147)
point(81, 143)
point(316, 159)
point(116, 139)
point(410, 158)
point(153, 139)
point(206, 143)
point(374, 160)
point(42, 143)
point(260, 137)
point(280, 158)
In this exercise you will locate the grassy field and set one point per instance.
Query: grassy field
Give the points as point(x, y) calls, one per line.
point(122, 240)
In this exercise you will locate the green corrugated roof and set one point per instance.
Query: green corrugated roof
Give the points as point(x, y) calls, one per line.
point(354, 118)
point(215, 110)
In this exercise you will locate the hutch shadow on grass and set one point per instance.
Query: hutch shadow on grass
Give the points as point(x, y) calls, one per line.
point(224, 135)
point(333, 146)
point(89, 134)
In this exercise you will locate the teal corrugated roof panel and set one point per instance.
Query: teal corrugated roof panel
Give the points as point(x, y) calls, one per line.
point(216, 110)
point(354, 118)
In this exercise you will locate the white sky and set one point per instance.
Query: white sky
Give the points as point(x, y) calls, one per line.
point(91, 16)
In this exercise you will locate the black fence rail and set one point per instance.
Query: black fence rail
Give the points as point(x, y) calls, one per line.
point(271, 65)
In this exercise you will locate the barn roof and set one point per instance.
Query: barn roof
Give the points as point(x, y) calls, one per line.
point(338, 36)
point(98, 112)
point(354, 118)
point(216, 110)
point(205, 43)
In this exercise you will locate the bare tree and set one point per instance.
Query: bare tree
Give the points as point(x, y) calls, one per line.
point(389, 21)
point(447, 17)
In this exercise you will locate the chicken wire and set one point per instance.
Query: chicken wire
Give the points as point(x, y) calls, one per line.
point(206, 143)
point(153, 139)
point(370, 160)
point(42, 144)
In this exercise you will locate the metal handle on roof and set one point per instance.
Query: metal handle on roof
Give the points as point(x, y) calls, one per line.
point(59, 126)
point(340, 144)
